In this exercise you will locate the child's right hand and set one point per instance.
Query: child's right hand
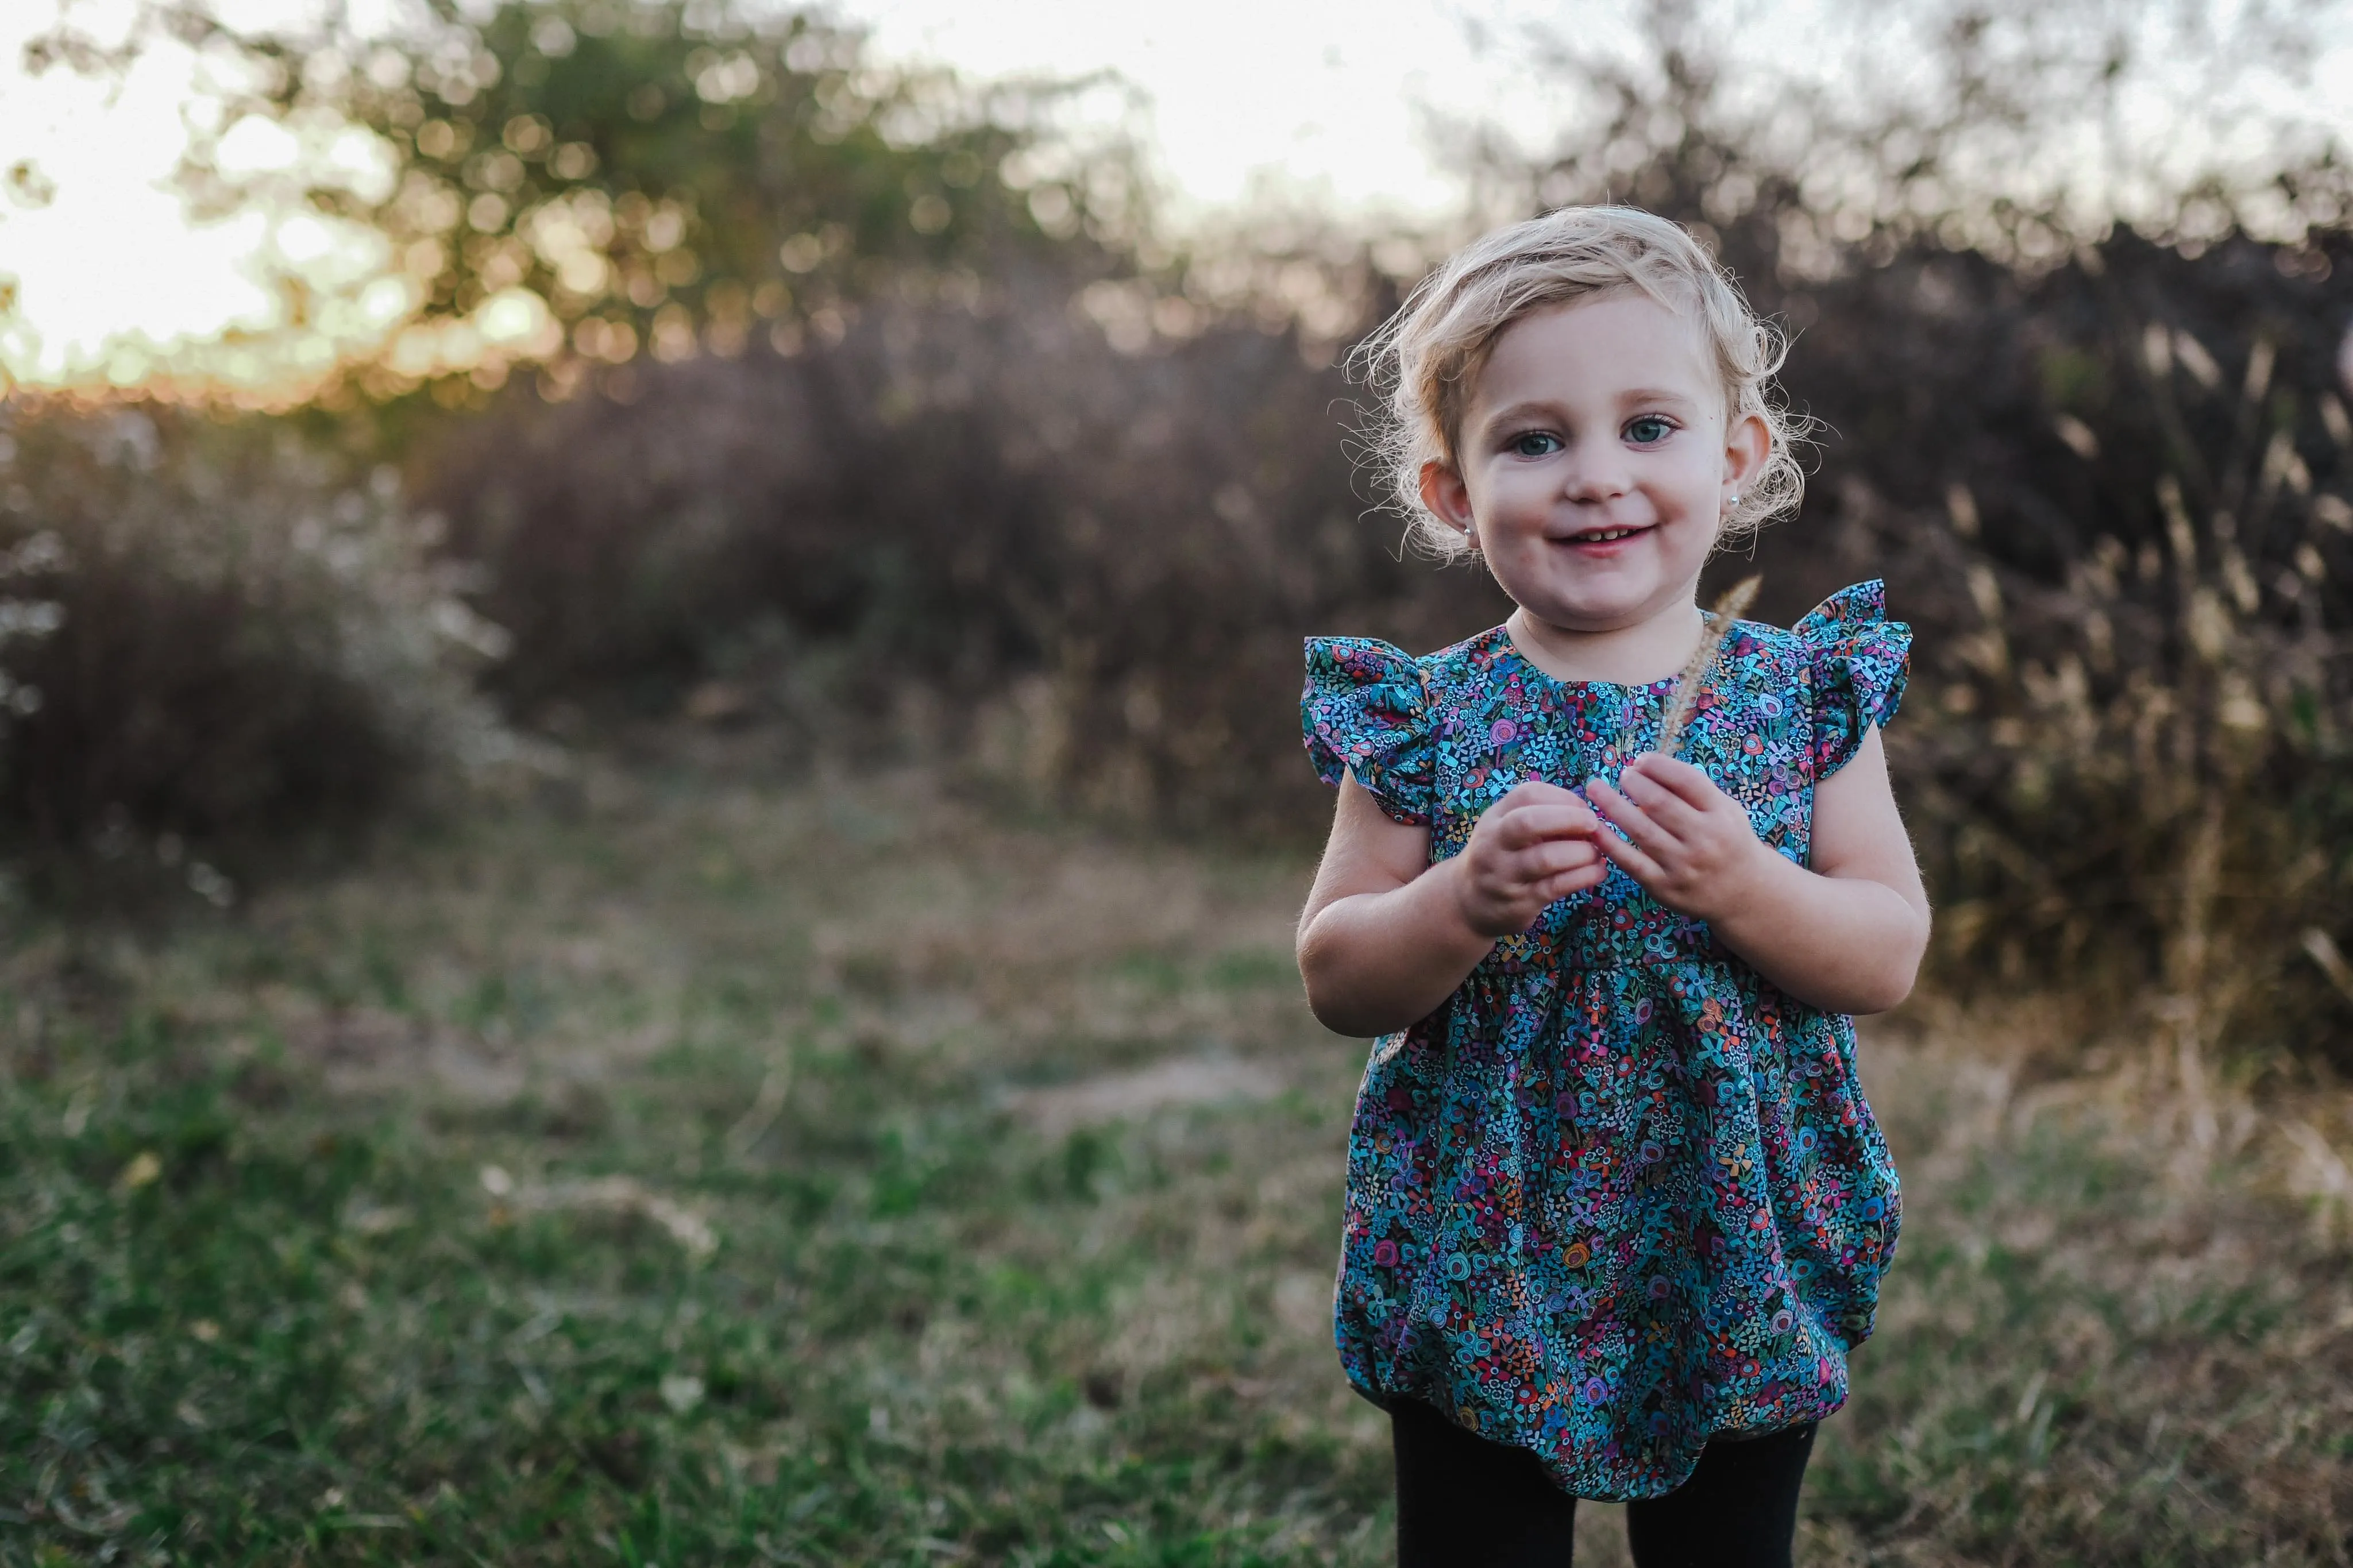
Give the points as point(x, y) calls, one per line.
point(1532, 847)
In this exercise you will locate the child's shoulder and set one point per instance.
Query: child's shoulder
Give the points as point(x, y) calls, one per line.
point(1844, 659)
point(1365, 661)
point(1472, 661)
point(1490, 658)
point(1851, 622)
point(1784, 652)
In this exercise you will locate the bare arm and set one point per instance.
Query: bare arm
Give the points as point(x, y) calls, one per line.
point(1386, 936)
point(1845, 936)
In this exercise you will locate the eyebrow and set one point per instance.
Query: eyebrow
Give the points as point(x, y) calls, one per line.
point(1545, 410)
point(1656, 395)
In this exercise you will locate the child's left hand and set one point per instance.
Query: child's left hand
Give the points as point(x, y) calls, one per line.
point(1687, 843)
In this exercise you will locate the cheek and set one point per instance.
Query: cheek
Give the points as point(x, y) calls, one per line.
point(1500, 497)
point(1690, 494)
point(1693, 476)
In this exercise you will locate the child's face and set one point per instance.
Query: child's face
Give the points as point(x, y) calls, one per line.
point(1595, 462)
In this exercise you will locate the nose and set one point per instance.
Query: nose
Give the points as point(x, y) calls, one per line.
point(1595, 473)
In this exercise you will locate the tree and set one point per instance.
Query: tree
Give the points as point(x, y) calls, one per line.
point(574, 183)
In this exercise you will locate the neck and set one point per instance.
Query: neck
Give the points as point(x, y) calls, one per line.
point(1651, 647)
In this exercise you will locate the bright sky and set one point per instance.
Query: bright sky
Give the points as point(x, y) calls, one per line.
point(1247, 98)
point(1241, 103)
point(114, 277)
point(112, 253)
point(1312, 98)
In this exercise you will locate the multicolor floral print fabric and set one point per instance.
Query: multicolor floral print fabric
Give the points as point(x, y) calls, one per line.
point(1619, 1194)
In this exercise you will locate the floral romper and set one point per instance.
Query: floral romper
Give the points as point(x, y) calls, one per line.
point(1619, 1194)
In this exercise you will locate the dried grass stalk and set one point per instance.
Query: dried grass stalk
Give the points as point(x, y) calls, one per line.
point(1693, 680)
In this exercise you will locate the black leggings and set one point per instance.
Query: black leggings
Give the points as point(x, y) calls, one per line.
point(1464, 1501)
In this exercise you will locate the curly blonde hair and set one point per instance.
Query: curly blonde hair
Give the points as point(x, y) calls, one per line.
point(1425, 359)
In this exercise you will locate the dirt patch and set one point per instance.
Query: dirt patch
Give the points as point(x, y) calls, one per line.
point(1173, 1085)
point(365, 1050)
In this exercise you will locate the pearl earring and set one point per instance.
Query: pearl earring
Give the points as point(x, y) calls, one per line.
point(1736, 499)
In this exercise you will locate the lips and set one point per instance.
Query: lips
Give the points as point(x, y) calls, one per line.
point(1604, 535)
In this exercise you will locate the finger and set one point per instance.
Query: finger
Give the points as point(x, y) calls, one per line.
point(1577, 851)
point(1526, 877)
point(1688, 782)
point(1551, 859)
point(1531, 793)
point(1626, 815)
point(1568, 817)
point(1542, 792)
point(1568, 884)
point(1538, 823)
point(1661, 805)
point(1630, 858)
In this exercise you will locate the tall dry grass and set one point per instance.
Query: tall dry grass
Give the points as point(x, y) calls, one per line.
point(842, 1169)
point(2118, 524)
point(984, 530)
point(217, 651)
point(1063, 524)
point(2126, 755)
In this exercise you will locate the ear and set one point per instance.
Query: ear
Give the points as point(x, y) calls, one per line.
point(1445, 494)
point(1746, 445)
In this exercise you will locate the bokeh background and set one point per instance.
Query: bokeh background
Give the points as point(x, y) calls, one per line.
point(650, 775)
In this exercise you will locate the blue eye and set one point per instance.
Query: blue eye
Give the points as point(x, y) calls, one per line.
point(1536, 444)
point(1649, 430)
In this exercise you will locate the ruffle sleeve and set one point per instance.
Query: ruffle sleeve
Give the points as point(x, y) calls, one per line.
point(1366, 712)
point(1860, 662)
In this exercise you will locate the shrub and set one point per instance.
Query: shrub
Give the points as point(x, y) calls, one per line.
point(2103, 472)
point(2109, 493)
point(1099, 564)
point(572, 183)
point(2110, 488)
point(2126, 523)
point(210, 648)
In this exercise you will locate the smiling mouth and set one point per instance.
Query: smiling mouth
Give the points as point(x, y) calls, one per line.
point(1603, 535)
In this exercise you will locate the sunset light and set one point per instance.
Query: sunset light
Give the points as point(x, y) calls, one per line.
point(1242, 111)
point(1418, 783)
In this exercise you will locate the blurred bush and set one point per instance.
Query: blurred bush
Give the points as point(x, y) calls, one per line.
point(870, 401)
point(2106, 472)
point(2126, 551)
point(572, 185)
point(2123, 513)
point(213, 654)
point(1087, 570)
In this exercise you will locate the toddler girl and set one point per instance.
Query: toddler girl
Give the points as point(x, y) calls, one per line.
point(1616, 1209)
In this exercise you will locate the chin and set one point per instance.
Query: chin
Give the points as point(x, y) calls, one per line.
point(1608, 593)
point(1590, 614)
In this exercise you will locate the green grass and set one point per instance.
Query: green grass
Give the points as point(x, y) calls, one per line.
point(691, 1170)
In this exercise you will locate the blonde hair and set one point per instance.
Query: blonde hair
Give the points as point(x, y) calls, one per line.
point(1425, 359)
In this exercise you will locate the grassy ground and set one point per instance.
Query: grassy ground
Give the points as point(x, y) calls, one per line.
point(696, 1171)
